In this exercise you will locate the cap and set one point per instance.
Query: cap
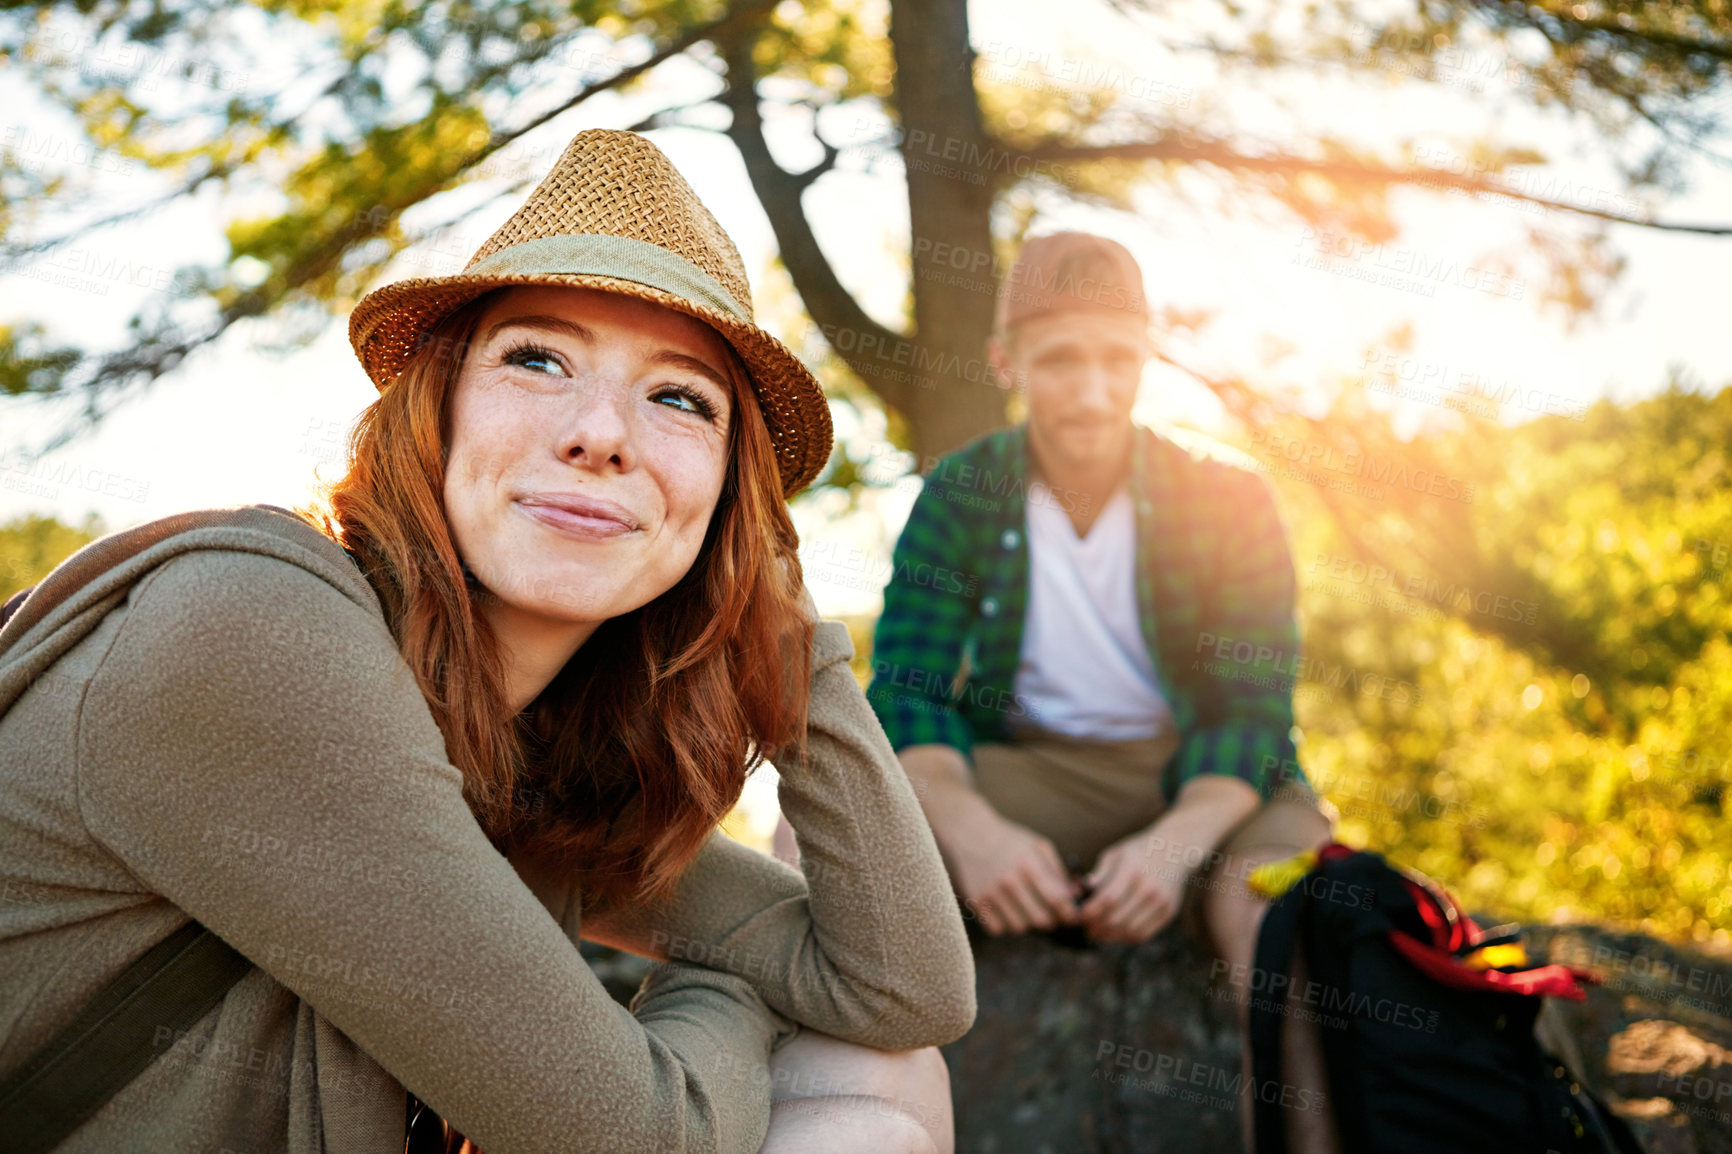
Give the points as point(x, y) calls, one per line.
point(1070, 272)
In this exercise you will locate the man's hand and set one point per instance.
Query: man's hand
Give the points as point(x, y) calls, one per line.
point(1008, 874)
point(1012, 876)
point(1138, 884)
point(1133, 893)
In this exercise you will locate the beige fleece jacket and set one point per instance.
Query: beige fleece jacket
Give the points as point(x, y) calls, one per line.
point(222, 728)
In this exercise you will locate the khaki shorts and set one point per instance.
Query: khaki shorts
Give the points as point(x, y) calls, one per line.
point(1084, 795)
point(1080, 793)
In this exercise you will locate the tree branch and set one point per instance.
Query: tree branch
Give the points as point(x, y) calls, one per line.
point(149, 360)
point(1219, 155)
point(830, 304)
point(1532, 16)
point(743, 14)
point(806, 178)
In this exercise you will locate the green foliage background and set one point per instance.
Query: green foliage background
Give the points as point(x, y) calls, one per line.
point(1570, 748)
point(31, 546)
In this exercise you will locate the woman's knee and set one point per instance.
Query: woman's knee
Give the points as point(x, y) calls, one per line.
point(837, 1096)
point(845, 1124)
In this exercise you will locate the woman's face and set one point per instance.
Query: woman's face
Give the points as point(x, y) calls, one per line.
point(588, 443)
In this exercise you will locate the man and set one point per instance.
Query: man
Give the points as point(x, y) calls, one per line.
point(1091, 704)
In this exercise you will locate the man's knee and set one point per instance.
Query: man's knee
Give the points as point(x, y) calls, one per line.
point(1221, 910)
point(1283, 823)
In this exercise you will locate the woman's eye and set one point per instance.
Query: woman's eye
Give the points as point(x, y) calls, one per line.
point(536, 359)
point(686, 401)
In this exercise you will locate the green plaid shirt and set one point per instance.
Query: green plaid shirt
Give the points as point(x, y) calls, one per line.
point(1215, 599)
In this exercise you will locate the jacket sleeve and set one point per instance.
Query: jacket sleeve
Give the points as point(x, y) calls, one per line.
point(1245, 676)
point(864, 941)
point(255, 751)
point(929, 606)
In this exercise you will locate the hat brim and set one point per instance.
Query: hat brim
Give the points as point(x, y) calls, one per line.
point(387, 325)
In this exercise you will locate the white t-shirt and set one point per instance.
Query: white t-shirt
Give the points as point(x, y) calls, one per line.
point(1084, 667)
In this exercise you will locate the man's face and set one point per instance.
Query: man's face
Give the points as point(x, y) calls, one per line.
point(1080, 371)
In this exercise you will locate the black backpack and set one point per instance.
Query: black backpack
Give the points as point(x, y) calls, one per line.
point(1425, 1053)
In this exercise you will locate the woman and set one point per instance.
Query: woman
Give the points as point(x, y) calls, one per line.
point(497, 701)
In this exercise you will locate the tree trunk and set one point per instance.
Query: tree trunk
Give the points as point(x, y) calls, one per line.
point(936, 379)
point(951, 183)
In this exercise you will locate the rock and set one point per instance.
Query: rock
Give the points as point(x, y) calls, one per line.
point(1122, 1048)
point(1119, 1049)
point(1655, 1034)
point(1096, 1051)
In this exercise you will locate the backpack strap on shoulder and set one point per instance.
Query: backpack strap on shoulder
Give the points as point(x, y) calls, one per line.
point(10, 606)
point(111, 1041)
point(176, 982)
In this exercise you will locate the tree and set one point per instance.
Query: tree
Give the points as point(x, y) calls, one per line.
point(346, 148)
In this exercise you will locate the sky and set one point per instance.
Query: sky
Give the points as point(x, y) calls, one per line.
point(1291, 308)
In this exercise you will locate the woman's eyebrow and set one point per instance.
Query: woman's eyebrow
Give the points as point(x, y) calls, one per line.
point(693, 364)
point(557, 324)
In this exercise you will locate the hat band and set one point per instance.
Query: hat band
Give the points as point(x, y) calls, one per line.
point(599, 254)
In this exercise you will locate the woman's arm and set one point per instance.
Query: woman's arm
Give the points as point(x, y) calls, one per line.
point(868, 944)
point(253, 749)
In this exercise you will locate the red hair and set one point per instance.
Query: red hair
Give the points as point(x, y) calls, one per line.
point(621, 768)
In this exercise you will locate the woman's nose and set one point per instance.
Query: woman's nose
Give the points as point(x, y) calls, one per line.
point(599, 433)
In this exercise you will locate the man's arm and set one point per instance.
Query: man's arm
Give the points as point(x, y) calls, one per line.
point(918, 642)
point(945, 786)
point(1246, 697)
point(1006, 874)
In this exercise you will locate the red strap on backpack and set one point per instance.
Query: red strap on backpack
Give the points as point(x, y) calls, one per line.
point(1453, 934)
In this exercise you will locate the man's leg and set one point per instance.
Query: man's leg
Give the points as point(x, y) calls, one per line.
point(834, 1096)
point(1232, 914)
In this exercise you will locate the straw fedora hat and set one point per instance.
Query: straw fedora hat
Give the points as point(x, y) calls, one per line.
point(615, 214)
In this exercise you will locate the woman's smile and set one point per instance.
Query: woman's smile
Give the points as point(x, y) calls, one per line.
point(581, 517)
